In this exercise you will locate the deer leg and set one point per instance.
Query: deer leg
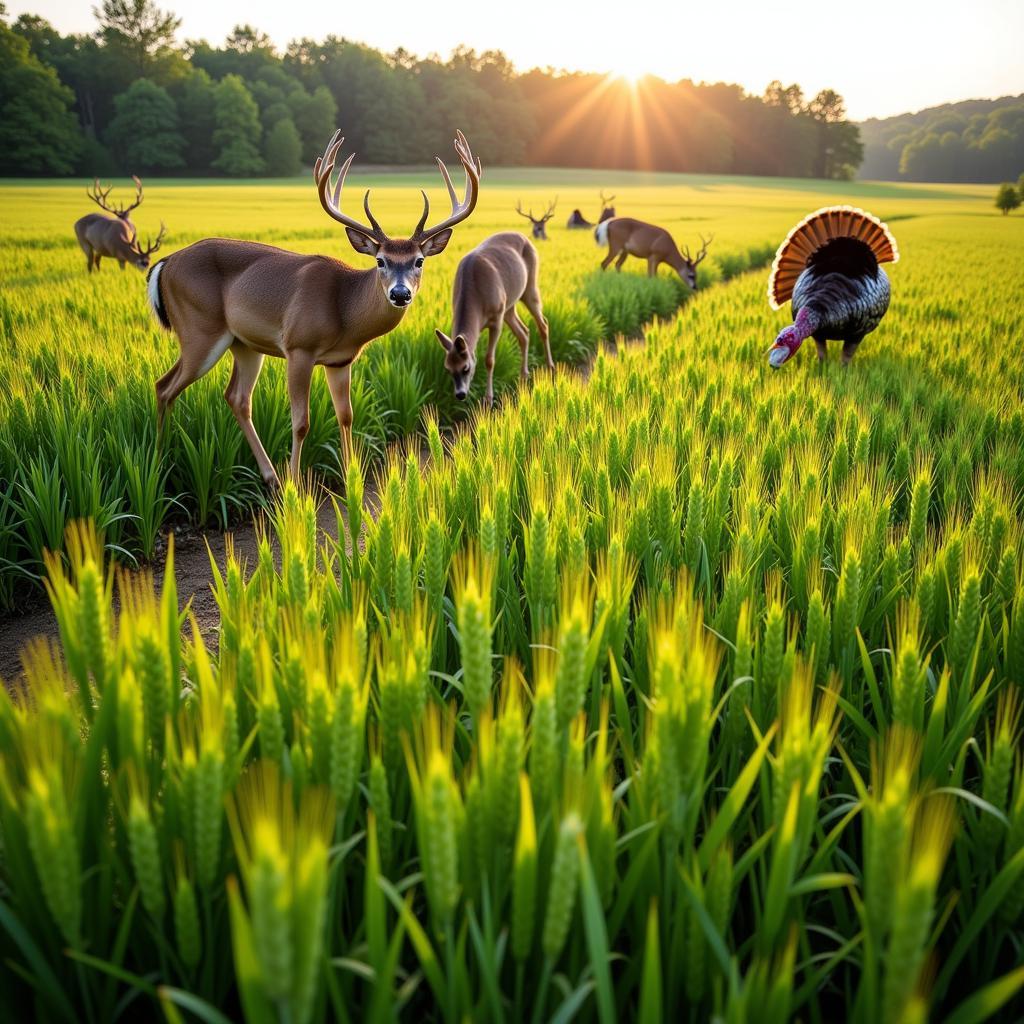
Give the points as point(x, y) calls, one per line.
point(300, 373)
point(199, 354)
point(245, 373)
point(652, 266)
point(849, 348)
point(96, 261)
point(608, 258)
point(493, 333)
point(120, 263)
point(339, 383)
point(621, 259)
point(822, 349)
point(533, 303)
point(522, 335)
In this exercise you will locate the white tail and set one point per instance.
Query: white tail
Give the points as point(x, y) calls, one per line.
point(153, 292)
point(601, 233)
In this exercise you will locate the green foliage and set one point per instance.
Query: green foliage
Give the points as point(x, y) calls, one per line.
point(196, 97)
point(1007, 198)
point(400, 109)
point(144, 132)
point(38, 132)
point(282, 149)
point(976, 140)
point(139, 28)
point(237, 134)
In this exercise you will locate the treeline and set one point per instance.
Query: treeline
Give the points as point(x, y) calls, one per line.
point(129, 98)
point(977, 140)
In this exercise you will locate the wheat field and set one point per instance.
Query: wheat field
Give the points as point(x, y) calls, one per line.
point(676, 689)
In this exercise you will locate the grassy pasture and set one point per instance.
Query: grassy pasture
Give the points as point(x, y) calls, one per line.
point(688, 690)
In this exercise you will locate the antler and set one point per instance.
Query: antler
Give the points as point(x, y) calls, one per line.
point(551, 210)
point(150, 249)
point(705, 242)
point(99, 196)
point(522, 213)
point(605, 202)
point(322, 171)
point(460, 211)
point(138, 198)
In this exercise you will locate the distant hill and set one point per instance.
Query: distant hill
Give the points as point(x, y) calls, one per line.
point(973, 140)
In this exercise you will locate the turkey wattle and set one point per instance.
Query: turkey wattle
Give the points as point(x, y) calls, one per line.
point(829, 267)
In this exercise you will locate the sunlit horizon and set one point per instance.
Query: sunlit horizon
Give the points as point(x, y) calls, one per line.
point(925, 53)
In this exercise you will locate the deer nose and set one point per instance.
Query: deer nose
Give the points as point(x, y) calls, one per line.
point(400, 295)
point(460, 394)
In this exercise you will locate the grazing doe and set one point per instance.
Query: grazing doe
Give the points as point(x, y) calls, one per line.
point(627, 237)
point(540, 230)
point(257, 300)
point(501, 271)
point(113, 236)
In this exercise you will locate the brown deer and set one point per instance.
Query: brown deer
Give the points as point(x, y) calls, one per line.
point(577, 220)
point(501, 271)
point(114, 236)
point(539, 223)
point(627, 237)
point(257, 300)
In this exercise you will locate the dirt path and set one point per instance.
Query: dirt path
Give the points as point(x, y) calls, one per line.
point(193, 573)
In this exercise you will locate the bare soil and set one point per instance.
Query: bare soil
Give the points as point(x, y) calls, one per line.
point(193, 551)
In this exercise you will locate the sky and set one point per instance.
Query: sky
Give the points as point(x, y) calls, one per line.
point(884, 56)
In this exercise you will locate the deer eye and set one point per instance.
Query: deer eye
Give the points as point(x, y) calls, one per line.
point(419, 262)
point(380, 262)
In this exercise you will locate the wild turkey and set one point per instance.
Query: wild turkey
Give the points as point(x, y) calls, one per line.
point(829, 267)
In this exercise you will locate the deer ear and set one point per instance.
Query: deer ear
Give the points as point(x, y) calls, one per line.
point(435, 244)
point(460, 345)
point(362, 243)
point(446, 342)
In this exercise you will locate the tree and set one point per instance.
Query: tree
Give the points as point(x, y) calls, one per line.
point(38, 132)
point(144, 132)
point(1007, 198)
point(839, 147)
point(237, 135)
point(789, 97)
point(283, 149)
point(1020, 185)
point(196, 97)
point(315, 117)
point(139, 28)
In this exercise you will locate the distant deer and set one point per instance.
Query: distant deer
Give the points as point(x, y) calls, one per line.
point(627, 237)
point(501, 271)
point(577, 220)
point(258, 300)
point(114, 236)
point(539, 223)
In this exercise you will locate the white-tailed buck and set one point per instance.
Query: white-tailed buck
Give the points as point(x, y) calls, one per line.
point(114, 236)
point(257, 300)
point(577, 220)
point(627, 237)
point(501, 271)
point(539, 223)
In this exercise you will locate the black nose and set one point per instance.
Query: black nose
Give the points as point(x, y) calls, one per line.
point(400, 296)
point(461, 395)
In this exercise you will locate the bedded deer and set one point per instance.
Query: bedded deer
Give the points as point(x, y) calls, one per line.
point(113, 236)
point(577, 220)
point(255, 300)
point(501, 271)
point(625, 236)
point(539, 224)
